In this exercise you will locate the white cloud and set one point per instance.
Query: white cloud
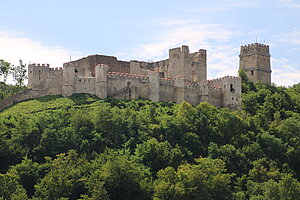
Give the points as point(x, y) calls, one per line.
point(291, 37)
point(284, 73)
point(172, 22)
point(14, 47)
point(195, 35)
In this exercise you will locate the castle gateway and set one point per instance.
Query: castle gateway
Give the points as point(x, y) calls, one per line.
point(181, 77)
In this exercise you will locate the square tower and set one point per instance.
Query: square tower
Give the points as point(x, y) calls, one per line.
point(179, 63)
point(255, 62)
point(190, 66)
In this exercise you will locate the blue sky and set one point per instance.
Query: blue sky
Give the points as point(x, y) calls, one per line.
point(52, 31)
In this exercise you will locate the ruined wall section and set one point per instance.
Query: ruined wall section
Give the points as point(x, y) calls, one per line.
point(141, 67)
point(198, 65)
point(21, 96)
point(179, 63)
point(191, 66)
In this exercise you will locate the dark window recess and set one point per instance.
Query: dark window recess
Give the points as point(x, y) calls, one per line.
point(39, 78)
point(231, 88)
point(128, 84)
point(252, 72)
point(161, 74)
point(76, 71)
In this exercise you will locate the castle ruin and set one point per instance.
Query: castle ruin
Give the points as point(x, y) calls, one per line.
point(181, 77)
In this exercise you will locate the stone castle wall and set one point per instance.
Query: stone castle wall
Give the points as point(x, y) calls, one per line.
point(21, 96)
point(181, 77)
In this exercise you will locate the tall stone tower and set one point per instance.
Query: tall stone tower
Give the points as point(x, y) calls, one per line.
point(255, 62)
point(190, 66)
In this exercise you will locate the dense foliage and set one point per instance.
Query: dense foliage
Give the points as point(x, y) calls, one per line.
point(85, 148)
point(18, 74)
point(7, 90)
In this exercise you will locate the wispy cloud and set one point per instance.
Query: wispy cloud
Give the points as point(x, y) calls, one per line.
point(226, 5)
point(14, 47)
point(222, 56)
point(290, 3)
point(291, 37)
point(284, 73)
point(182, 32)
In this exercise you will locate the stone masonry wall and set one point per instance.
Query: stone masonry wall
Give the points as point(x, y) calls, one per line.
point(85, 85)
point(86, 66)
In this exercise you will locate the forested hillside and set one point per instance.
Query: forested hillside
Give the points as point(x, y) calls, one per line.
point(86, 148)
point(7, 90)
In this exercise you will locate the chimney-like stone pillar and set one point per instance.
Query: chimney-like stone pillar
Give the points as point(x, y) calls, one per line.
point(154, 86)
point(69, 80)
point(179, 89)
point(101, 81)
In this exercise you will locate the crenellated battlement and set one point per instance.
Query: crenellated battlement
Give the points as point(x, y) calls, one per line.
point(254, 48)
point(43, 66)
point(56, 69)
point(39, 65)
point(255, 44)
point(217, 80)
